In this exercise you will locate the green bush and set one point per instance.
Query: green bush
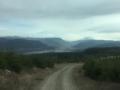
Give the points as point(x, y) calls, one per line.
point(103, 69)
point(17, 63)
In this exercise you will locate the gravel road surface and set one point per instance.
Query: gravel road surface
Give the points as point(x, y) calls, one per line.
point(61, 79)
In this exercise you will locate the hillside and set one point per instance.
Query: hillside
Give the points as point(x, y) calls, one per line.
point(84, 44)
point(54, 42)
point(51, 44)
point(22, 45)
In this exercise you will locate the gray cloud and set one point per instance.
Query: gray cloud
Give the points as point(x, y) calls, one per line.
point(105, 30)
point(70, 19)
point(58, 8)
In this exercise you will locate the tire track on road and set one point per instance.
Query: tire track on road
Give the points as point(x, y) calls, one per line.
point(61, 80)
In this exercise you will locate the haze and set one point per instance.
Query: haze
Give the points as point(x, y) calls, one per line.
point(67, 19)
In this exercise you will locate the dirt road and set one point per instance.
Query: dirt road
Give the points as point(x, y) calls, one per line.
point(61, 80)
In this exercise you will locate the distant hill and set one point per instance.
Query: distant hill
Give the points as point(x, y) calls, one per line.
point(57, 43)
point(22, 45)
point(84, 44)
point(51, 44)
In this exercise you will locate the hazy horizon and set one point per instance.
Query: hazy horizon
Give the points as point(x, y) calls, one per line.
point(35, 38)
point(67, 19)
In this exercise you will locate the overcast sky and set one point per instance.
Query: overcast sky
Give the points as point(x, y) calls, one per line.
point(67, 19)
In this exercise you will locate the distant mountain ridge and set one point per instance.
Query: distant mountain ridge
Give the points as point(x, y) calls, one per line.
point(22, 45)
point(84, 44)
point(51, 44)
point(54, 42)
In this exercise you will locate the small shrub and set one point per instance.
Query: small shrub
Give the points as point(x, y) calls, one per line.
point(106, 69)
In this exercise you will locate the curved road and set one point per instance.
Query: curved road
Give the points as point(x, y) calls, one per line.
point(61, 80)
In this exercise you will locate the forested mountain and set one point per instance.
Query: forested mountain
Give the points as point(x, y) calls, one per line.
point(51, 44)
point(55, 42)
point(22, 45)
point(84, 44)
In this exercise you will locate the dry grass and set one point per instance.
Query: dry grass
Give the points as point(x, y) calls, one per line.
point(26, 80)
point(86, 83)
point(23, 81)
